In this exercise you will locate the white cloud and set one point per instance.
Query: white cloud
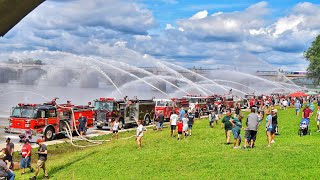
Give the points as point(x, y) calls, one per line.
point(200, 15)
point(169, 26)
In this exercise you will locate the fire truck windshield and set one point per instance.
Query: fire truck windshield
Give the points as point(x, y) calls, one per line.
point(163, 103)
point(26, 111)
point(98, 105)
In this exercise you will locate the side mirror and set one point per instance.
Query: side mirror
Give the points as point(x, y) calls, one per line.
point(43, 114)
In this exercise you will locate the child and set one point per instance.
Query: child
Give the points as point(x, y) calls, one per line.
point(211, 119)
point(185, 125)
point(180, 128)
point(236, 129)
point(139, 134)
point(115, 128)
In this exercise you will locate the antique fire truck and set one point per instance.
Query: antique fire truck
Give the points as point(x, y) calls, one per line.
point(48, 119)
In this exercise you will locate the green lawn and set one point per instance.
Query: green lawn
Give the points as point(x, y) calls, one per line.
point(201, 156)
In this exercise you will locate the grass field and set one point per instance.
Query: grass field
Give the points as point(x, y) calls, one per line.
point(204, 155)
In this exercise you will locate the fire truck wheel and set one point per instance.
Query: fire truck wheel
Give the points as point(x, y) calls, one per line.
point(121, 124)
point(147, 120)
point(49, 134)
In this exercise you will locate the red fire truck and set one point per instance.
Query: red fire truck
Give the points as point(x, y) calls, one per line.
point(167, 106)
point(126, 111)
point(47, 119)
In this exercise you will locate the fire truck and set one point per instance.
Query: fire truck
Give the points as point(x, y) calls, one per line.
point(47, 119)
point(167, 106)
point(126, 111)
point(198, 102)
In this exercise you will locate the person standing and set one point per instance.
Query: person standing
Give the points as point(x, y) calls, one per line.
point(182, 112)
point(190, 122)
point(25, 156)
point(160, 121)
point(173, 122)
point(180, 128)
point(237, 110)
point(298, 106)
point(185, 125)
point(4, 170)
point(211, 119)
point(252, 123)
point(227, 125)
point(139, 134)
point(10, 149)
point(42, 158)
point(115, 128)
point(236, 131)
point(269, 127)
point(83, 124)
point(274, 124)
point(307, 113)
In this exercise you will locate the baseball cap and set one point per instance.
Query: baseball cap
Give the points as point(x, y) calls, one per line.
point(39, 141)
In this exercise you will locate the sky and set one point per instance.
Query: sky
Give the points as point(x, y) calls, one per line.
point(201, 33)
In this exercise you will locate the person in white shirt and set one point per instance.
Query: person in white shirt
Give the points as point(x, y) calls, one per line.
point(139, 134)
point(173, 122)
point(185, 125)
point(115, 128)
point(285, 104)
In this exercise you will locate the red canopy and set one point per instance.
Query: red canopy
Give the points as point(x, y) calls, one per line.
point(298, 94)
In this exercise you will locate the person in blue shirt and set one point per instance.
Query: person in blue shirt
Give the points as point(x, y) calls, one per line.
point(269, 127)
point(298, 106)
point(182, 112)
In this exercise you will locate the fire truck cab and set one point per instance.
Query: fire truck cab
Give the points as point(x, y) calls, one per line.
point(166, 106)
point(47, 119)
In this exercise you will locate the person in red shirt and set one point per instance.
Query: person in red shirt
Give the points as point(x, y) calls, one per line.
point(180, 127)
point(307, 112)
point(25, 156)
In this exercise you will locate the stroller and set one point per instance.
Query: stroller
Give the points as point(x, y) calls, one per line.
point(304, 127)
point(24, 136)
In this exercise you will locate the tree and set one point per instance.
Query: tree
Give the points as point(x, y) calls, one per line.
point(313, 56)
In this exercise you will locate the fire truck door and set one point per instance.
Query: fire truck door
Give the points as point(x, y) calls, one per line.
point(133, 112)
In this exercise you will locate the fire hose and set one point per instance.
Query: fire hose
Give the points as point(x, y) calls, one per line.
point(95, 142)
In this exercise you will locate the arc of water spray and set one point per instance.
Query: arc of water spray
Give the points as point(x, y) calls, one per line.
point(25, 92)
point(151, 74)
point(199, 75)
point(238, 84)
point(186, 79)
point(279, 73)
point(91, 66)
point(130, 74)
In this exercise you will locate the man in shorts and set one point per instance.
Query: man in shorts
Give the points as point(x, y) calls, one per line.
point(42, 158)
point(226, 124)
point(10, 149)
point(252, 123)
point(173, 122)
